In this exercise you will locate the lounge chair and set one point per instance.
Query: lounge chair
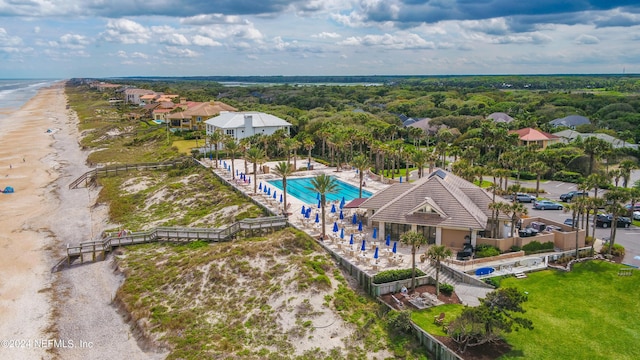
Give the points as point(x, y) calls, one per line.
point(439, 319)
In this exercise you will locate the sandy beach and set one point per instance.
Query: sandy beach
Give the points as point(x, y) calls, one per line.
point(45, 315)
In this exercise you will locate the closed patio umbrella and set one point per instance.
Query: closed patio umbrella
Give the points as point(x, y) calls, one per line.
point(341, 215)
point(360, 226)
point(260, 186)
point(375, 233)
point(317, 218)
point(333, 208)
point(375, 255)
point(395, 247)
point(280, 197)
point(303, 211)
point(319, 205)
point(342, 233)
point(335, 227)
point(351, 240)
point(269, 191)
point(354, 219)
point(388, 242)
point(363, 246)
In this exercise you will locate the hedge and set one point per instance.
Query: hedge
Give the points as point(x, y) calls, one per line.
point(536, 246)
point(395, 275)
point(568, 176)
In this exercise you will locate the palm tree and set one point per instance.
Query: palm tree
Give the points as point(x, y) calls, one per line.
point(413, 239)
point(284, 169)
point(257, 156)
point(539, 168)
point(438, 253)
point(232, 148)
point(595, 148)
point(360, 162)
point(324, 184)
point(576, 208)
point(625, 169)
point(615, 197)
point(216, 138)
point(309, 144)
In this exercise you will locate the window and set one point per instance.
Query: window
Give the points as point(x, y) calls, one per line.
point(429, 233)
point(230, 132)
point(395, 230)
point(199, 119)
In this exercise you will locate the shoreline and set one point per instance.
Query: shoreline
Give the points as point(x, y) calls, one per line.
point(40, 218)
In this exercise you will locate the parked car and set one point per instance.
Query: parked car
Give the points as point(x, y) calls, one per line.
point(636, 215)
point(636, 207)
point(527, 232)
point(522, 197)
point(568, 221)
point(466, 253)
point(604, 220)
point(568, 197)
point(547, 205)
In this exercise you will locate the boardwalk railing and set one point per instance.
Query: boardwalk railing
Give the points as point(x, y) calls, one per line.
point(91, 175)
point(98, 249)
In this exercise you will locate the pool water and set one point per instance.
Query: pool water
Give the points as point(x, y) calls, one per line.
point(302, 189)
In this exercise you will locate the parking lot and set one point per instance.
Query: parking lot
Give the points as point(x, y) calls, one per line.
point(627, 237)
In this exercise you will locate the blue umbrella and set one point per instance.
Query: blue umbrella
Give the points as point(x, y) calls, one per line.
point(317, 196)
point(360, 226)
point(342, 233)
point(375, 233)
point(280, 197)
point(274, 194)
point(260, 186)
point(303, 211)
point(341, 215)
point(354, 219)
point(375, 255)
point(237, 172)
point(269, 191)
point(249, 180)
point(308, 212)
point(317, 218)
point(333, 208)
point(210, 156)
point(319, 205)
point(342, 202)
point(395, 247)
point(351, 240)
point(335, 227)
point(363, 247)
point(388, 242)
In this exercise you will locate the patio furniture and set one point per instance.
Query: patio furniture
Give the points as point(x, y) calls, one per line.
point(438, 320)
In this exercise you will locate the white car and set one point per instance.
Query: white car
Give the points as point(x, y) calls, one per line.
point(636, 215)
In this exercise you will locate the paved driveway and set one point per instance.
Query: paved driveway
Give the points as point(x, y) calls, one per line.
point(629, 238)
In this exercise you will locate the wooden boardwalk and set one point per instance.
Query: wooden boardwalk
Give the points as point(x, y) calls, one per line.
point(98, 250)
point(91, 175)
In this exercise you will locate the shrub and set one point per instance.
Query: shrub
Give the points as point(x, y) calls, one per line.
point(535, 246)
point(618, 250)
point(524, 175)
point(492, 281)
point(485, 250)
point(515, 248)
point(400, 321)
point(446, 289)
point(532, 190)
point(568, 176)
point(394, 275)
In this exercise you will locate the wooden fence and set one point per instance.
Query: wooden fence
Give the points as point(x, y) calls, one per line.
point(97, 250)
point(91, 175)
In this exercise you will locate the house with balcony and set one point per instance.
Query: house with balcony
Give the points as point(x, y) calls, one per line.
point(192, 115)
point(531, 136)
point(240, 125)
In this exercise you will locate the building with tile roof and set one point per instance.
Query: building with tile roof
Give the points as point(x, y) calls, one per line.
point(531, 136)
point(570, 121)
point(192, 115)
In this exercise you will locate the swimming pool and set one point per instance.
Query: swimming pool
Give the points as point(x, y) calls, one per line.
point(299, 187)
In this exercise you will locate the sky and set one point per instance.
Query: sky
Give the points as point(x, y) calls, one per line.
point(113, 38)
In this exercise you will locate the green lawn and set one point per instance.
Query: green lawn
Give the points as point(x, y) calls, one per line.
point(185, 146)
point(588, 313)
point(424, 318)
point(402, 172)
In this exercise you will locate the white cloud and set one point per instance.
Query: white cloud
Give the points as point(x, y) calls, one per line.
point(7, 40)
point(174, 39)
point(389, 41)
point(74, 41)
point(126, 32)
point(173, 51)
point(585, 39)
point(200, 40)
point(326, 35)
point(212, 19)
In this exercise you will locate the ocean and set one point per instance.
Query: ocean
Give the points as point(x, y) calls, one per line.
point(15, 93)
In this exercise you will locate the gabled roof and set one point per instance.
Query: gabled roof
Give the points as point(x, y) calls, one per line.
point(204, 109)
point(531, 134)
point(500, 117)
point(571, 121)
point(235, 120)
point(424, 125)
point(615, 142)
point(453, 202)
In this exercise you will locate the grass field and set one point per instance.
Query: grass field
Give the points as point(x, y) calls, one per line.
point(588, 313)
point(185, 146)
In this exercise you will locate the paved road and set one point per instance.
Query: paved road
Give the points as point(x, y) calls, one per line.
point(629, 238)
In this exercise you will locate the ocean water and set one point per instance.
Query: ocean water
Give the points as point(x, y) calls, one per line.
point(15, 93)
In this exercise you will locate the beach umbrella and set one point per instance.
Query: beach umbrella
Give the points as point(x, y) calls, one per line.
point(303, 211)
point(360, 226)
point(274, 195)
point(375, 255)
point(308, 212)
point(269, 191)
point(280, 197)
point(237, 172)
point(375, 233)
point(335, 227)
point(395, 247)
point(260, 186)
point(341, 215)
point(388, 242)
point(354, 219)
point(351, 240)
point(317, 218)
point(363, 247)
point(342, 203)
point(319, 205)
point(317, 196)
point(342, 233)
point(400, 179)
point(333, 208)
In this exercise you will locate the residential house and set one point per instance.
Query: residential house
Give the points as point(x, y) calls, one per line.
point(570, 135)
point(500, 117)
point(192, 115)
point(530, 136)
point(426, 127)
point(570, 121)
point(132, 95)
point(443, 207)
point(240, 125)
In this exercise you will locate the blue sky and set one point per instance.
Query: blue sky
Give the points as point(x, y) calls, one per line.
point(109, 38)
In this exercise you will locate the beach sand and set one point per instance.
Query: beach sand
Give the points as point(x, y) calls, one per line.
point(72, 306)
